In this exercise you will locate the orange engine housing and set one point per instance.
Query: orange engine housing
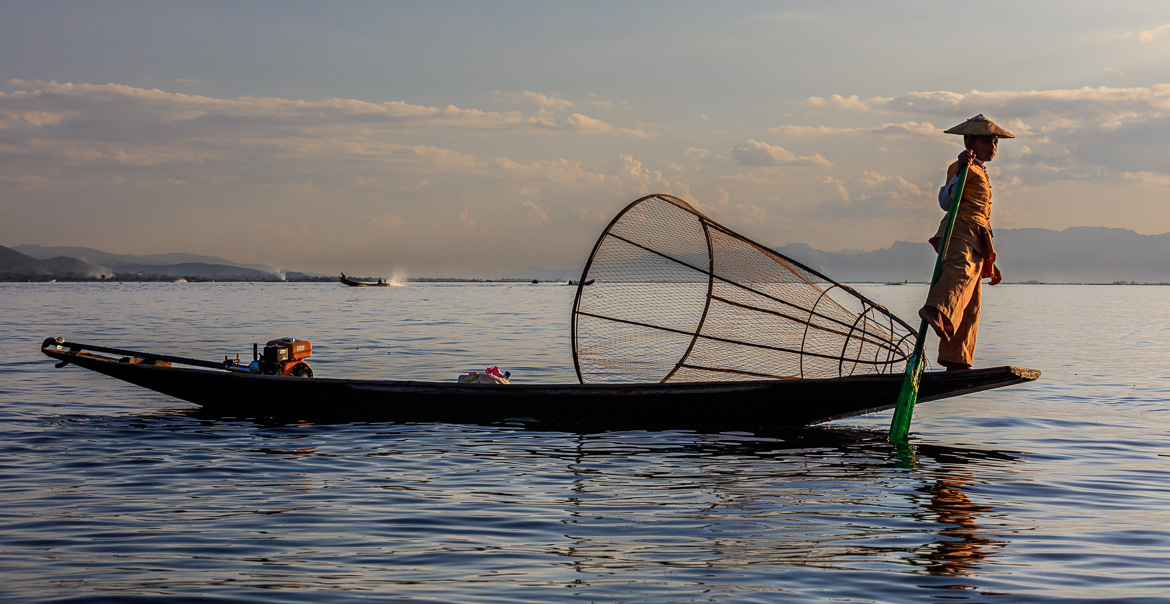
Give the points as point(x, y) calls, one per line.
point(297, 349)
point(286, 356)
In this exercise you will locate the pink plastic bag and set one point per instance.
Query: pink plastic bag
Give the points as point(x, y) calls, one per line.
point(491, 375)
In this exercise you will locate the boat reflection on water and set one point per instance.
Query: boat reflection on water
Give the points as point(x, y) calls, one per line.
point(803, 499)
point(726, 505)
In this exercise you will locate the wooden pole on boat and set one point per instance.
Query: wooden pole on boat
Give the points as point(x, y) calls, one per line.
point(74, 346)
point(904, 408)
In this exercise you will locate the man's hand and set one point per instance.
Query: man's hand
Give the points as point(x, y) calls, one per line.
point(996, 276)
point(965, 159)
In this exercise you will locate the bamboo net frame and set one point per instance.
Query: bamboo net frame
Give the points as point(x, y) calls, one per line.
point(669, 295)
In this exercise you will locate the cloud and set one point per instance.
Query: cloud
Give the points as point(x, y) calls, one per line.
point(697, 154)
point(84, 134)
point(29, 182)
point(632, 171)
point(40, 104)
point(536, 214)
point(849, 102)
point(608, 105)
point(387, 221)
point(1102, 105)
point(1149, 178)
point(1150, 34)
point(32, 118)
point(528, 97)
point(872, 195)
point(838, 186)
point(889, 130)
point(755, 153)
point(556, 170)
point(543, 174)
point(1138, 145)
point(1074, 134)
point(583, 123)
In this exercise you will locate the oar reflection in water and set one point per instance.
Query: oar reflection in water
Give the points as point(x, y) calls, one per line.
point(960, 548)
point(818, 498)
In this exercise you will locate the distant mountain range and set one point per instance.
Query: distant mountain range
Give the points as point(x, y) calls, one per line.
point(37, 262)
point(1075, 255)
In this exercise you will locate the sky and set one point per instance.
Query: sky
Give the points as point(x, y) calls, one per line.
point(467, 138)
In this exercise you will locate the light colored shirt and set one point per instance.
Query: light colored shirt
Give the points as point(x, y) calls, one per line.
point(947, 193)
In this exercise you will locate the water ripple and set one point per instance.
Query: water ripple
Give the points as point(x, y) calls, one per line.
point(1051, 492)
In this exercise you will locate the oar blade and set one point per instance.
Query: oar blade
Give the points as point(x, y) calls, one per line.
point(907, 397)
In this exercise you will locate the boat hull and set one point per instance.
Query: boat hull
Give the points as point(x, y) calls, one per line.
point(353, 283)
point(710, 406)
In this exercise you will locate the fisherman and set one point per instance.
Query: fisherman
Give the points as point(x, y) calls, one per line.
point(952, 306)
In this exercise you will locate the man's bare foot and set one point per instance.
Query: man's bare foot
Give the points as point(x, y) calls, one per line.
point(954, 366)
point(933, 318)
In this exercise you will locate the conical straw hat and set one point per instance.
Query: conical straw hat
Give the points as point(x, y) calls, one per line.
point(980, 126)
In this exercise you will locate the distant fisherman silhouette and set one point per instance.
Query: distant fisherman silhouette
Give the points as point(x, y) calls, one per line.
point(952, 306)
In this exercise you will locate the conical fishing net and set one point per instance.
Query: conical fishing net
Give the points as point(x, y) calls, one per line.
point(670, 295)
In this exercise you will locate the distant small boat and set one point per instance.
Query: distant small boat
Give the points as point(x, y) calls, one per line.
point(571, 282)
point(354, 283)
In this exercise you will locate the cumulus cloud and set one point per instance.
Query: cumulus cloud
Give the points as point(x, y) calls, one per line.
point(39, 104)
point(536, 214)
point(417, 171)
point(632, 179)
point(1101, 105)
point(466, 220)
point(556, 170)
point(74, 134)
point(756, 153)
point(607, 104)
point(583, 123)
point(528, 97)
point(632, 170)
point(1149, 178)
point(1075, 134)
point(872, 195)
point(388, 221)
point(29, 182)
point(889, 130)
point(1150, 35)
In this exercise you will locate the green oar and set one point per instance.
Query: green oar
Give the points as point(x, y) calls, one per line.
point(904, 409)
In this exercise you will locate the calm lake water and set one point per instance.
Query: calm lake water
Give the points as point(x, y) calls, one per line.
point(1056, 491)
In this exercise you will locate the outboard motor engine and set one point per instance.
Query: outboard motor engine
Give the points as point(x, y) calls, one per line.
point(285, 356)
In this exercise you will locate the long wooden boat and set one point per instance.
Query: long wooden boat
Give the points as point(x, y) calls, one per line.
point(355, 283)
point(707, 406)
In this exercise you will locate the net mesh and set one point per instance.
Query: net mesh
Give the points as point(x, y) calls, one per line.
point(670, 295)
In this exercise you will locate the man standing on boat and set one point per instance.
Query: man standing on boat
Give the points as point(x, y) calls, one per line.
point(952, 307)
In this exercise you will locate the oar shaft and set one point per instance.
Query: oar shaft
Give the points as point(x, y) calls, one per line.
point(904, 407)
point(144, 355)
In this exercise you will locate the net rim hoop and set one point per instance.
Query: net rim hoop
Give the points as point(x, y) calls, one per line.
point(589, 265)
